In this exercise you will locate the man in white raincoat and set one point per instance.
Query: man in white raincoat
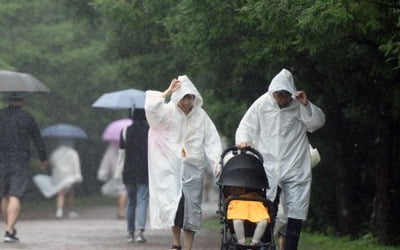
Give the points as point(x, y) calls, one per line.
point(183, 141)
point(276, 125)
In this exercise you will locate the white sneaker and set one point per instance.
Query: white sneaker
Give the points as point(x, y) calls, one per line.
point(72, 214)
point(59, 213)
point(140, 239)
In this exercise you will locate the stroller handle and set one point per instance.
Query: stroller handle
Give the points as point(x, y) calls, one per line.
point(235, 150)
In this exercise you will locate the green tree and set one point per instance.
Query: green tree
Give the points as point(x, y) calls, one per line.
point(45, 39)
point(342, 53)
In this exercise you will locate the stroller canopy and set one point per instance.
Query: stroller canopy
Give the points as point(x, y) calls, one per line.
point(244, 170)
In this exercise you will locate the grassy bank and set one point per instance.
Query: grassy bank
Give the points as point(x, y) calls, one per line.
point(317, 242)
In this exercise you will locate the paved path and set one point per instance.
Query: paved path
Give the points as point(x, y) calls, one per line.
point(97, 229)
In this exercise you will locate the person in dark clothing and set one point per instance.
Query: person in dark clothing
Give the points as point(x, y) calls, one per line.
point(17, 127)
point(135, 174)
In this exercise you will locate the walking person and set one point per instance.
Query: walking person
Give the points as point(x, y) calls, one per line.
point(113, 186)
point(65, 175)
point(276, 125)
point(135, 175)
point(17, 128)
point(183, 142)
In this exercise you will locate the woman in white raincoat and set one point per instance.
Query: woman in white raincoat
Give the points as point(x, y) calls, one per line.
point(183, 141)
point(66, 172)
point(276, 125)
point(106, 173)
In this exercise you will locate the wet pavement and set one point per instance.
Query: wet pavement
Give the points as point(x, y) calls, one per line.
point(98, 229)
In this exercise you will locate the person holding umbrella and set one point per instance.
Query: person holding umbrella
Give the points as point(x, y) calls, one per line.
point(113, 186)
point(134, 172)
point(65, 167)
point(65, 174)
point(183, 142)
point(17, 128)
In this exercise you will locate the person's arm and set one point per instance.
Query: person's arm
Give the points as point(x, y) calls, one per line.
point(212, 146)
point(75, 160)
point(248, 128)
point(121, 155)
point(174, 85)
point(312, 116)
point(34, 132)
point(155, 107)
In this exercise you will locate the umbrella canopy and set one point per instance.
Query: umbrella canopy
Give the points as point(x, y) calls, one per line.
point(113, 130)
point(123, 99)
point(11, 81)
point(64, 130)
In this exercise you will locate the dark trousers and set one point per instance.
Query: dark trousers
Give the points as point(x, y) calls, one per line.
point(293, 234)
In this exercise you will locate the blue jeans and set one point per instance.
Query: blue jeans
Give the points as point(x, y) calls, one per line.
point(138, 202)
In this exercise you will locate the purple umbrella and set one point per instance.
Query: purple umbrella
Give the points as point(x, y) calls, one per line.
point(113, 130)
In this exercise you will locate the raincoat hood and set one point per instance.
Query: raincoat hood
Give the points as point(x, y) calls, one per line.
point(283, 81)
point(187, 88)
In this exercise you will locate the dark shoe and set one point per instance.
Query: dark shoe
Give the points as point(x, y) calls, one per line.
point(131, 237)
point(10, 237)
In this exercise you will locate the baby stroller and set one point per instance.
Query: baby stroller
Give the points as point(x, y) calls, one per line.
point(243, 169)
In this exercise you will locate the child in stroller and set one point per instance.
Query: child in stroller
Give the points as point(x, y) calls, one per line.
point(243, 208)
point(240, 211)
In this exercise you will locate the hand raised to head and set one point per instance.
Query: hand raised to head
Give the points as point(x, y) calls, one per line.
point(174, 85)
point(301, 96)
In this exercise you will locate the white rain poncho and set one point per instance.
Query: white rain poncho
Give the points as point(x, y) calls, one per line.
point(107, 170)
point(280, 135)
point(171, 173)
point(66, 167)
point(66, 171)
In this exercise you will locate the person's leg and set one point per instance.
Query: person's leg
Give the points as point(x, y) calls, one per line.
point(13, 210)
point(178, 224)
point(292, 234)
point(188, 237)
point(176, 236)
point(60, 204)
point(4, 206)
point(131, 210)
point(296, 193)
point(238, 226)
point(142, 196)
point(70, 196)
point(259, 232)
point(71, 199)
point(121, 201)
point(281, 242)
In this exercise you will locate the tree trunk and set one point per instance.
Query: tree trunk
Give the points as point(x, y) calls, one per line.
point(384, 143)
point(344, 222)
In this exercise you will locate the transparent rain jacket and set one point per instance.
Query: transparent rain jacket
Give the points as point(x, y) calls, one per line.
point(172, 173)
point(280, 135)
